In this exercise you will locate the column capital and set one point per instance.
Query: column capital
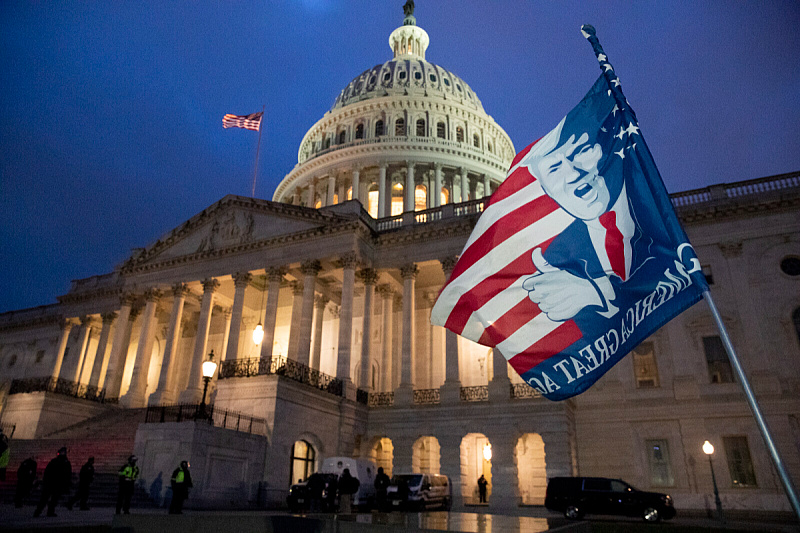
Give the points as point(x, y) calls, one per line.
point(152, 295)
point(335, 311)
point(242, 279)
point(383, 165)
point(127, 298)
point(87, 321)
point(297, 287)
point(438, 167)
point(348, 260)
point(135, 311)
point(310, 267)
point(430, 296)
point(368, 276)
point(320, 301)
point(409, 271)
point(385, 290)
point(448, 264)
point(180, 290)
point(276, 273)
point(68, 323)
point(210, 285)
point(109, 317)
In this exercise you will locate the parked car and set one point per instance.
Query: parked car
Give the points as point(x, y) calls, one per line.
point(362, 469)
point(299, 499)
point(578, 496)
point(418, 491)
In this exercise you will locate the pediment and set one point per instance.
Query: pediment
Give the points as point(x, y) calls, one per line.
point(230, 223)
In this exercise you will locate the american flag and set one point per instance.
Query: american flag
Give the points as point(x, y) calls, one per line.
point(248, 122)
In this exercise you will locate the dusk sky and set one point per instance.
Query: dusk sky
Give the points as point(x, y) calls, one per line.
point(110, 112)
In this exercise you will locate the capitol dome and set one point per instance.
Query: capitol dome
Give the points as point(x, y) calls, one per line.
point(397, 132)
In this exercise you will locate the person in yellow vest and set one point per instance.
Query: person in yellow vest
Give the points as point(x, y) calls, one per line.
point(181, 483)
point(128, 475)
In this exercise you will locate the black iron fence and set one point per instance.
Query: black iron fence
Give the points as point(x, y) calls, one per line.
point(221, 418)
point(280, 366)
point(60, 386)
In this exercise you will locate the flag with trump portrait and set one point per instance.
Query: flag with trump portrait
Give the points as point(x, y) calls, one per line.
point(578, 256)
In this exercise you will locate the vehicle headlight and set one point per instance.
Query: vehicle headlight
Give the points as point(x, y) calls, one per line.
point(666, 498)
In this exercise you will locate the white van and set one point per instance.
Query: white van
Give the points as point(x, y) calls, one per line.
point(419, 491)
point(362, 469)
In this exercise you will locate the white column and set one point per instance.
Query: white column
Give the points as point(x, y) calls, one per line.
point(331, 190)
point(368, 277)
point(294, 325)
point(194, 387)
point(404, 393)
point(320, 302)
point(240, 281)
point(500, 385)
point(310, 269)
point(464, 185)
point(165, 393)
point(119, 346)
point(83, 342)
point(348, 263)
point(312, 193)
point(135, 397)
point(409, 189)
point(452, 374)
point(386, 348)
point(275, 276)
point(101, 356)
point(66, 327)
point(356, 186)
point(437, 193)
point(382, 190)
point(487, 185)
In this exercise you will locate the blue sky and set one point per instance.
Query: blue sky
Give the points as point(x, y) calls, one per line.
point(110, 112)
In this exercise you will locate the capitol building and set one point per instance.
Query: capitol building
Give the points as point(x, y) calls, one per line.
point(316, 307)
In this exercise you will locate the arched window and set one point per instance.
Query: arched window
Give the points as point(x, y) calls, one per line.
point(397, 199)
point(326, 143)
point(445, 196)
point(341, 137)
point(372, 201)
point(421, 128)
point(318, 203)
point(302, 462)
point(420, 198)
point(360, 131)
point(379, 127)
point(400, 127)
point(476, 141)
point(350, 193)
point(460, 134)
point(440, 131)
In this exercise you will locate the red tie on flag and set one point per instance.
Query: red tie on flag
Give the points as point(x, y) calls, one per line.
point(248, 122)
point(615, 246)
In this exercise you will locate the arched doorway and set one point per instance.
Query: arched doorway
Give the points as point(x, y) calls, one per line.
point(531, 469)
point(476, 461)
point(425, 455)
point(382, 452)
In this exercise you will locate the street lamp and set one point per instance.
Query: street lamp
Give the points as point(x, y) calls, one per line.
point(708, 449)
point(209, 367)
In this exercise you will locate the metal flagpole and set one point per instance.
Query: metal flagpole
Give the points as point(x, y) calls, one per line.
point(751, 400)
point(258, 149)
point(614, 86)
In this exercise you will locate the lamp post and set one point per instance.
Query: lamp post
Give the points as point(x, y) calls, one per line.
point(708, 449)
point(209, 367)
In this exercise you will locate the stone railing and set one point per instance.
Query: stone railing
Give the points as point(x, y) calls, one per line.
point(517, 391)
point(724, 191)
point(221, 418)
point(426, 396)
point(475, 394)
point(433, 214)
point(60, 386)
point(280, 366)
point(383, 139)
point(520, 391)
point(381, 399)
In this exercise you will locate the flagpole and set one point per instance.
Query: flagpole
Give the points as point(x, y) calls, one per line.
point(751, 400)
point(614, 86)
point(258, 149)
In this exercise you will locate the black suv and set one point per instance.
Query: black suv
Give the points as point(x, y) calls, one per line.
point(576, 496)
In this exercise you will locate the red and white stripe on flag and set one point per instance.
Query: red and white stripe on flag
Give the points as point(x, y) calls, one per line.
point(484, 300)
point(248, 122)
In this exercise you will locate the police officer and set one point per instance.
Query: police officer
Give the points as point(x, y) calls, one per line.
point(128, 475)
point(181, 483)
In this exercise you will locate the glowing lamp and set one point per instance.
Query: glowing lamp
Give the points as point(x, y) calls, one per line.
point(708, 448)
point(487, 452)
point(258, 334)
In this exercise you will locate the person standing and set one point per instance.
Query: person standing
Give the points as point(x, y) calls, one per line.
point(26, 477)
point(85, 478)
point(181, 483)
point(55, 482)
point(5, 453)
point(128, 475)
point(482, 483)
point(381, 485)
point(315, 487)
point(348, 485)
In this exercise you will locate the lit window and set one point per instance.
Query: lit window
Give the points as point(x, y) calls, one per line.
point(740, 465)
point(421, 128)
point(660, 467)
point(719, 367)
point(400, 127)
point(350, 193)
point(440, 130)
point(379, 128)
point(397, 199)
point(318, 203)
point(372, 199)
point(303, 457)
point(420, 198)
point(460, 134)
point(336, 198)
point(445, 196)
point(644, 366)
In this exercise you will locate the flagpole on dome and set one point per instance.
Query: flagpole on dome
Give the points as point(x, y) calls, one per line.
point(614, 86)
point(258, 149)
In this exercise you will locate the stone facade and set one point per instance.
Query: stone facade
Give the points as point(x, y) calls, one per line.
point(343, 285)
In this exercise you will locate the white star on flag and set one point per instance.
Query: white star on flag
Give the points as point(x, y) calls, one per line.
point(608, 67)
point(621, 153)
point(633, 129)
point(602, 57)
point(614, 111)
point(615, 81)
